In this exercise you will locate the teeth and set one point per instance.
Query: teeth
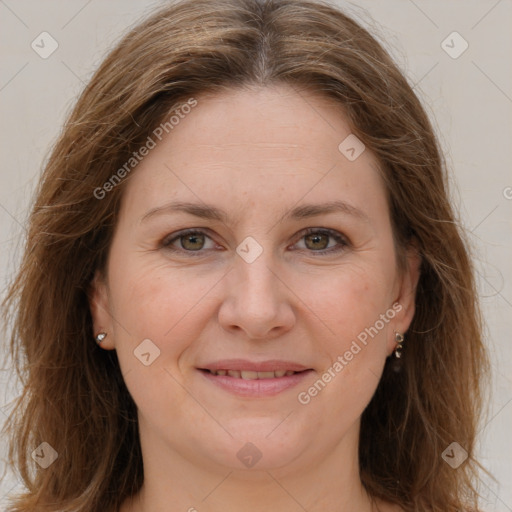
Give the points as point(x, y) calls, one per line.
point(247, 375)
point(266, 375)
point(251, 375)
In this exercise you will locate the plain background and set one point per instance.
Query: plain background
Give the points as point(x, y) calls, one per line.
point(469, 99)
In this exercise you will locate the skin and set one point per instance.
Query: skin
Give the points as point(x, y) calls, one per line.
point(256, 153)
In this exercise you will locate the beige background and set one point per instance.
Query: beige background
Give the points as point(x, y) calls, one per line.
point(469, 98)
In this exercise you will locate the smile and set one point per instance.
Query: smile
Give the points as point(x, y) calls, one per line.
point(256, 380)
point(252, 375)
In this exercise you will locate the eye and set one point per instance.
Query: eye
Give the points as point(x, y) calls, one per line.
point(193, 241)
point(317, 241)
point(190, 240)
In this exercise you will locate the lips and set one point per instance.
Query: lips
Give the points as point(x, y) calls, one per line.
point(253, 378)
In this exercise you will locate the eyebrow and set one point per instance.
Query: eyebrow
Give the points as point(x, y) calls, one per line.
point(210, 212)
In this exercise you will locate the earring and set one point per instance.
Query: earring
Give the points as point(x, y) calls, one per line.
point(100, 337)
point(399, 338)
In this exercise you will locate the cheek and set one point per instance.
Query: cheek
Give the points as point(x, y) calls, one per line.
point(161, 303)
point(348, 300)
point(353, 348)
point(164, 306)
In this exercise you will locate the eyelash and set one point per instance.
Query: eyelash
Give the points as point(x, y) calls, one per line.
point(342, 241)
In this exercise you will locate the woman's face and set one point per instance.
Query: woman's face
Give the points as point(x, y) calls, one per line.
point(290, 267)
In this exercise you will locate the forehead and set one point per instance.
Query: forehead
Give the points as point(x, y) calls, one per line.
point(271, 118)
point(256, 147)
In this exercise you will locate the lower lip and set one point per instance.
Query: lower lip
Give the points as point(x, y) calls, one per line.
point(256, 387)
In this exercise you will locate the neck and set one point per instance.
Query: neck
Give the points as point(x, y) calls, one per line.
point(176, 482)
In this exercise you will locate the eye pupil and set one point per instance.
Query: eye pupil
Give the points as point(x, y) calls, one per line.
point(193, 239)
point(315, 238)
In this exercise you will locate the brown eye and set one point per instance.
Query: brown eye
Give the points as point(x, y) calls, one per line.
point(317, 241)
point(322, 241)
point(192, 242)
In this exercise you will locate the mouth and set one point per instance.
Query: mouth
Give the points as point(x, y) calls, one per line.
point(251, 375)
point(249, 379)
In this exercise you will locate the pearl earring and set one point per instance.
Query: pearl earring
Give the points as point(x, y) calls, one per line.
point(100, 337)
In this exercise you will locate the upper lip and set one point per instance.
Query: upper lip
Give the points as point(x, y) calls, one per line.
point(254, 366)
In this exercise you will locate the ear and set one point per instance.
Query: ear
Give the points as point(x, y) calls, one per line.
point(405, 299)
point(100, 310)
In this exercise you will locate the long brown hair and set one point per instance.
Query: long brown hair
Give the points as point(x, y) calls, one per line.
point(74, 397)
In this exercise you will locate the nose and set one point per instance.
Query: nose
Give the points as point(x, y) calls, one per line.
point(256, 301)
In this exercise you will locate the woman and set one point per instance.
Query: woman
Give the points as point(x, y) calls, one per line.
point(243, 286)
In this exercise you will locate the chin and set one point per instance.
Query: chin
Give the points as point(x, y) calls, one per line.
point(261, 445)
